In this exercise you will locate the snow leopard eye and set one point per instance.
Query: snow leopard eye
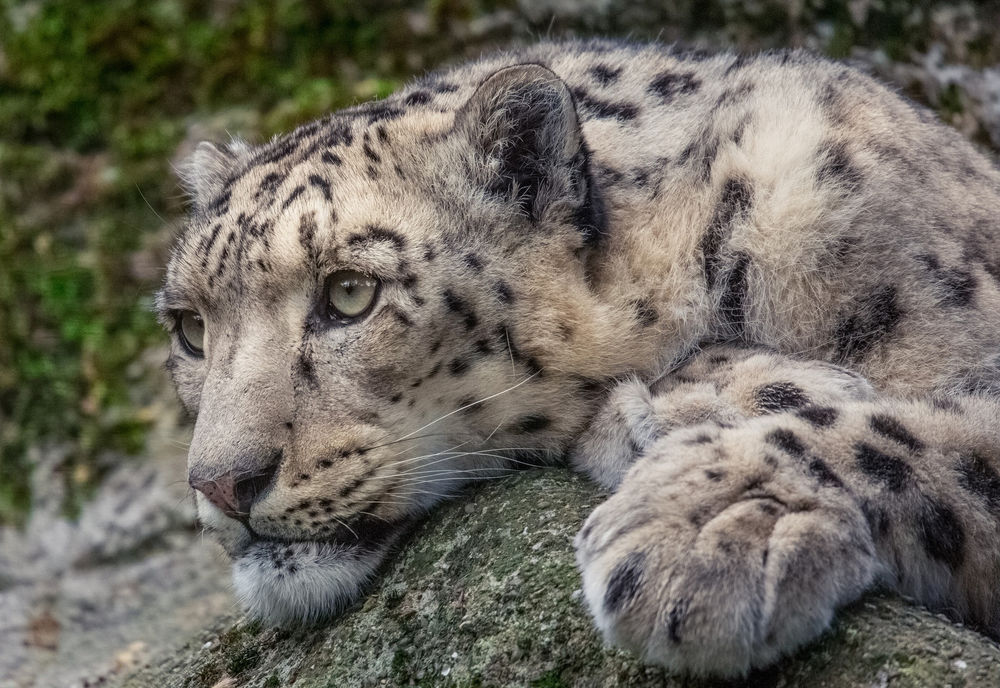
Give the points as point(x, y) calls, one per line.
point(191, 330)
point(350, 294)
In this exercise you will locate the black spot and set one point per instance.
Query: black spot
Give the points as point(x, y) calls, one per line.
point(623, 583)
point(383, 135)
point(370, 152)
point(307, 236)
point(296, 192)
point(458, 367)
point(456, 304)
point(429, 253)
point(733, 95)
point(739, 63)
point(331, 158)
point(977, 476)
point(395, 398)
point(534, 422)
point(380, 111)
point(875, 317)
point(740, 130)
point(733, 302)
point(483, 346)
point(435, 370)
point(503, 292)
point(941, 533)
point(889, 427)
point(674, 620)
point(714, 476)
point(321, 184)
point(274, 152)
point(822, 472)
point(645, 313)
point(605, 75)
point(602, 109)
point(779, 396)
point(668, 85)
point(269, 184)
point(445, 87)
point(837, 167)
point(956, 287)
point(306, 369)
point(418, 98)
point(818, 416)
point(894, 473)
point(400, 316)
point(375, 233)
point(787, 441)
point(473, 261)
point(733, 205)
point(469, 406)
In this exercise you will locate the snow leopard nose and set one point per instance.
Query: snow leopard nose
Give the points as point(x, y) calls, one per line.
point(236, 491)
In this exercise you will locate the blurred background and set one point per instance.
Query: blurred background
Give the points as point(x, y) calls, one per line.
point(98, 102)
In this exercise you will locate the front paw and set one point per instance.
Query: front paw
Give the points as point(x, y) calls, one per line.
point(718, 554)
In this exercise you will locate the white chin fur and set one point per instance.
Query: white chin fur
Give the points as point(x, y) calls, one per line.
point(301, 582)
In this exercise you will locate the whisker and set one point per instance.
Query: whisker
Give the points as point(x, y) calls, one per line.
point(471, 404)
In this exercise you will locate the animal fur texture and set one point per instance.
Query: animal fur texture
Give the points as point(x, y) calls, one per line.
point(755, 296)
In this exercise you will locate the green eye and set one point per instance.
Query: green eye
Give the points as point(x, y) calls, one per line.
point(191, 328)
point(350, 294)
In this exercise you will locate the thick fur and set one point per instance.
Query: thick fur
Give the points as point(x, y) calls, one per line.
point(567, 236)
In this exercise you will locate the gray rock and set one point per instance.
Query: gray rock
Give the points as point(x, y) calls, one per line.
point(486, 593)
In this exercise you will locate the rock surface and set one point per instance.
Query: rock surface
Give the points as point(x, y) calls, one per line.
point(486, 593)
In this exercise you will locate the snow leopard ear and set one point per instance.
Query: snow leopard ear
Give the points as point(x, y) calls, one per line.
point(204, 173)
point(528, 147)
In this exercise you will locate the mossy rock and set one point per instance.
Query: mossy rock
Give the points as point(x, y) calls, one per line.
point(486, 593)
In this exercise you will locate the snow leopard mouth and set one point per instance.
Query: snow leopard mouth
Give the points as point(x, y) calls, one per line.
point(361, 534)
point(293, 581)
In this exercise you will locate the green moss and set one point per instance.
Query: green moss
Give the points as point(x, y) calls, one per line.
point(950, 100)
point(94, 100)
point(550, 679)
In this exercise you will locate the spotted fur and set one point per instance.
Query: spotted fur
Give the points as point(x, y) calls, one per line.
point(755, 296)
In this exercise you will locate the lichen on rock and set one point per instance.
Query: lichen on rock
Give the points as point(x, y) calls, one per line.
point(485, 593)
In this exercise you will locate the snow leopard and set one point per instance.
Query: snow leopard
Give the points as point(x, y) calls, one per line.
point(754, 297)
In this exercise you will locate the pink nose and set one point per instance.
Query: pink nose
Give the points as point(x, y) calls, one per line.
point(234, 493)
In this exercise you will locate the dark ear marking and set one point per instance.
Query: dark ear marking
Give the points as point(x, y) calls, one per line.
point(523, 127)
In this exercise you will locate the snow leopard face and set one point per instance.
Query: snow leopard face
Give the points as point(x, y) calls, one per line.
point(373, 310)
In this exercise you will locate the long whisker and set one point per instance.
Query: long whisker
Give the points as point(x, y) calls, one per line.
point(470, 405)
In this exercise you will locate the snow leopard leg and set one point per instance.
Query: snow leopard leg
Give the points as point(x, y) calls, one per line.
point(732, 542)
